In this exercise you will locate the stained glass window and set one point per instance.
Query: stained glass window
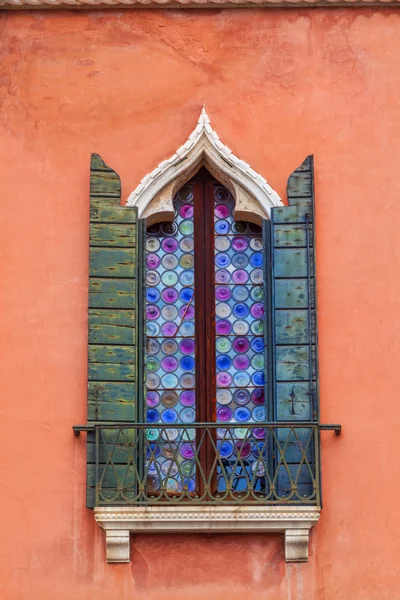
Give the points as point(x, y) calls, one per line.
point(170, 348)
point(205, 351)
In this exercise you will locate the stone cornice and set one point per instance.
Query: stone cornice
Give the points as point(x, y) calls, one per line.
point(294, 522)
point(103, 4)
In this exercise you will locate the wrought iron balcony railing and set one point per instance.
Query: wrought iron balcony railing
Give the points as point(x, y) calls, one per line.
point(267, 463)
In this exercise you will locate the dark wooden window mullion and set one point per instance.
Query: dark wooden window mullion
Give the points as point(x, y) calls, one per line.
point(204, 313)
point(199, 305)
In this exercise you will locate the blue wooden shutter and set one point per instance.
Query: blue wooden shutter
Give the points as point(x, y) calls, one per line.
point(291, 320)
point(114, 323)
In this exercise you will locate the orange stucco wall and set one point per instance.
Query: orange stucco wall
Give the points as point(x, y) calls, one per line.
point(278, 85)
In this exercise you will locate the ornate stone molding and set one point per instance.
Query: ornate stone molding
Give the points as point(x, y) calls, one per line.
point(103, 4)
point(294, 522)
point(154, 195)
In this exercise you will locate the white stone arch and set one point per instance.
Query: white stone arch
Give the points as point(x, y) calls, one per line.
point(154, 195)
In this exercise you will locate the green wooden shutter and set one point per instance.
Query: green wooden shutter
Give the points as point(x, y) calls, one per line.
point(113, 308)
point(291, 316)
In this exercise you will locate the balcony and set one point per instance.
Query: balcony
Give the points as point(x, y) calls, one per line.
point(207, 464)
point(206, 477)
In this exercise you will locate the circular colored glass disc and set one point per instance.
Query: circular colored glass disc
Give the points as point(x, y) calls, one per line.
point(186, 227)
point(241, 379)
point(169, 416)
point(257, 396)
point(169, 364)
point(223, 362)
point(152, 244)
point(222, 227)
point(241, 397)
point(152, 364)
point(224, 396)
point(187, 346)
point(169, 329)
point(240, 261)
point(186, 261)
point(186, 244)
point(241, 362)
point(169, 278)
point(169, 347)
point(152, 346)
point(186, 211)
point(225, 449)
point(169, 245)
point(186, 193)
point(257, 293)
point(223, 379)
point(241, 344)
point(223, 310)
point(240, 327)
point(152, 295)
point(152, 399)
point(152, 261)
point(169, 399)
point(222, 344)
point(152, 278)
point(223, 293)
point(240, 293)
point(169, 313)
point(187, 398)
point(188, 415)
point(223, 327)
point(169, 295)
point(222, 243)
point(169, 381)
point(169, 261)
point(224, 414)
point(239, 243)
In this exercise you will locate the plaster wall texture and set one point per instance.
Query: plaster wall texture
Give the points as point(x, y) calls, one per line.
point(278, 85)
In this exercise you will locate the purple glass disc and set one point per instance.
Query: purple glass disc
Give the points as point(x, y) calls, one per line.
point(257, 310)
point(152, 261)
point(186, 451)
point(186, 211)
point(241, 362)
point(152, 399)
point(222, 294)
point(169, 245)
point(239, 243)
point(169, 364)
point(241, 345)
point(188, 311)
point(240, 276)
point(221, 211)
point(257, 396)
point(224, 414)
point(169, 295)
point(169, 329)
point(152, 312)
point(187, 398)
point(223, 379)
point(223, 327)
point(222, 276)
point(187, 346)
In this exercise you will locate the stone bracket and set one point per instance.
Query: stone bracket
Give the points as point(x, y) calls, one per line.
point(294, 522)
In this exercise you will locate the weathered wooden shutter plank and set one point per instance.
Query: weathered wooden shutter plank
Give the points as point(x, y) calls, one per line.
point(113, 310)
point(112, 293)
point(112, 235)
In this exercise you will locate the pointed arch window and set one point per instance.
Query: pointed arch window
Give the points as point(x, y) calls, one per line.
point(203, 381)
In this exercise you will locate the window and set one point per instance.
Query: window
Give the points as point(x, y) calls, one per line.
point(203, 381)
point(205, 344)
